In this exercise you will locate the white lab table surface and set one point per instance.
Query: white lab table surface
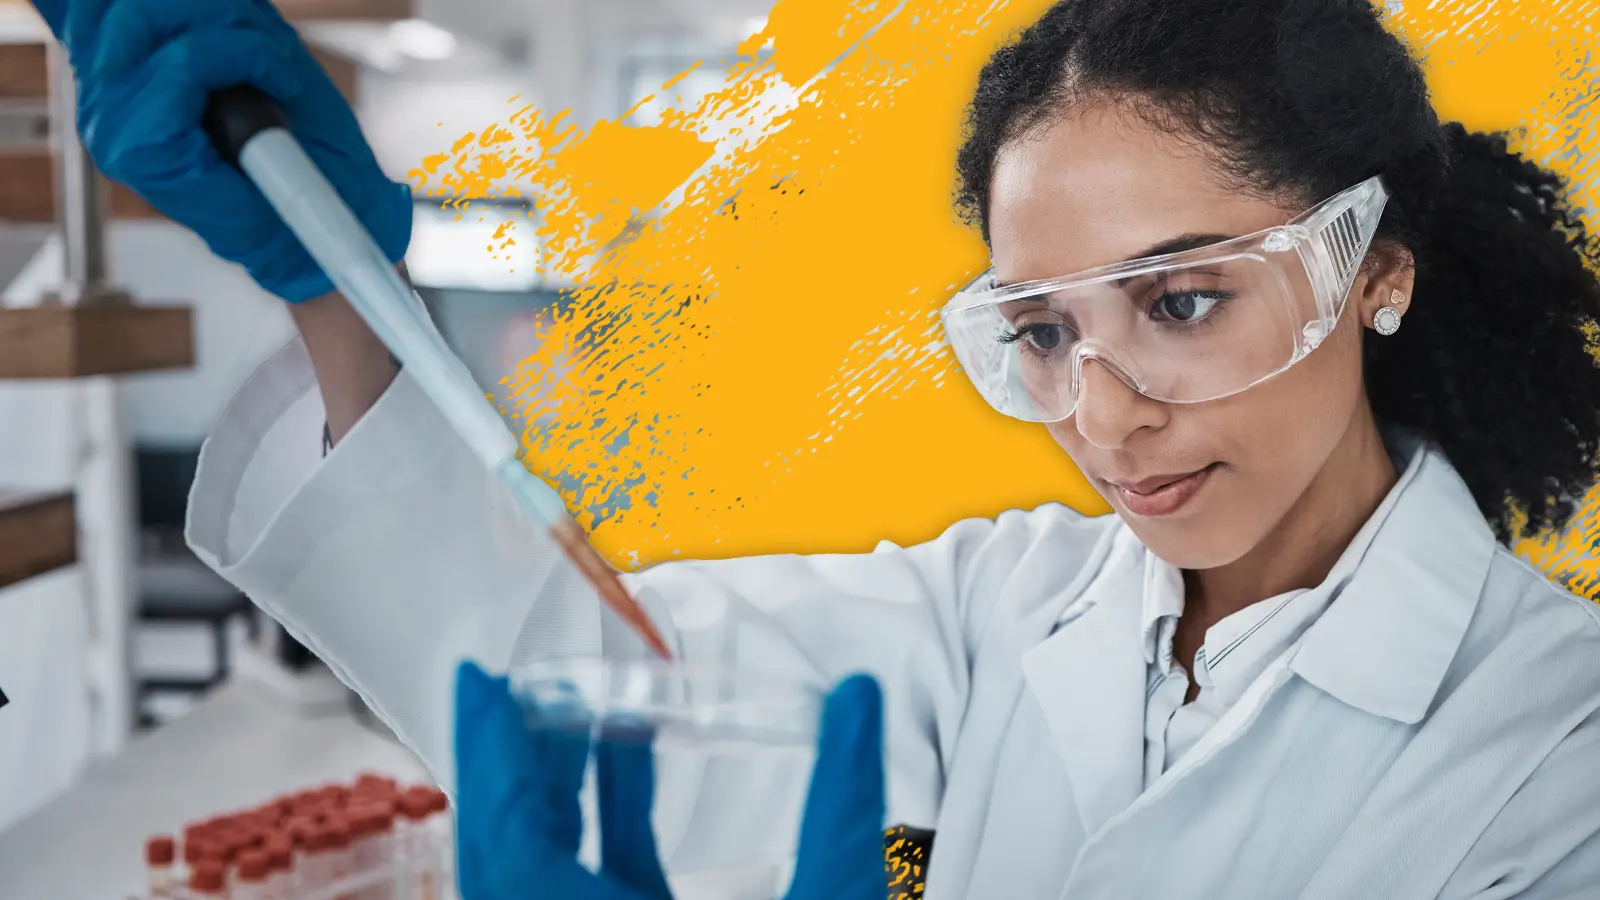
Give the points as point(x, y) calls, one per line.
point(237, 748)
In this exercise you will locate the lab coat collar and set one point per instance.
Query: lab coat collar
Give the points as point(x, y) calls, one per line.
point(1163, 598)
point(1089, 679)
point(1407, 597)
point(1403, 597)
point(1294, 611)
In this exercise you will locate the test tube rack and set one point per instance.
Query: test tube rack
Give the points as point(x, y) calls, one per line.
point(369, 840)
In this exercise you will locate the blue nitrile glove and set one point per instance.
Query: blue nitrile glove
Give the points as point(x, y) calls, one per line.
point(144, 69)
point(518, 822)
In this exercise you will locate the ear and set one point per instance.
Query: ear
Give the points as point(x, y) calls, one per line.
point(1387, 279)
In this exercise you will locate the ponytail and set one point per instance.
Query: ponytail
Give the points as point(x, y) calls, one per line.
point(1493, 362)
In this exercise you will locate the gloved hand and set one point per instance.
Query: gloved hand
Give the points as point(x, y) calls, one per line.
point(144, 69)
point(518, 822)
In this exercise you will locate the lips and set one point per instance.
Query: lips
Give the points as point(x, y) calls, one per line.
point(1161, 495)
point(1153, 483)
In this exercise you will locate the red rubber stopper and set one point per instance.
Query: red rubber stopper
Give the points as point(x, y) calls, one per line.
point(208, 878)
point(160, 850)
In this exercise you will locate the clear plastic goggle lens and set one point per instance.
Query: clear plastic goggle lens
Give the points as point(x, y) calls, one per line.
point(1186, 328)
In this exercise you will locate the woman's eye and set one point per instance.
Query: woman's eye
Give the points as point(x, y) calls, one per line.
point(1041, 337)
point(1185, 307)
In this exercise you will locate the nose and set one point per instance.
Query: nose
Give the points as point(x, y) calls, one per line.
point(1108, 411)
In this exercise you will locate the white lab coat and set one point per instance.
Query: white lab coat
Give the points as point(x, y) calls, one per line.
point(1433, 735)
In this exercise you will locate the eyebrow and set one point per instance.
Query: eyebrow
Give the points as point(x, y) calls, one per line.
point(1182, 242)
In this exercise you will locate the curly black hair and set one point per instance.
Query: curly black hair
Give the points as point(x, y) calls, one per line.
point(1298, 99)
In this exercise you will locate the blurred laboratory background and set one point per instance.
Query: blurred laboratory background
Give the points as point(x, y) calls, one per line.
point(129, 673)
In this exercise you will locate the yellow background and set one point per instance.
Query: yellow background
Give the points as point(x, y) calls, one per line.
point(757, 359)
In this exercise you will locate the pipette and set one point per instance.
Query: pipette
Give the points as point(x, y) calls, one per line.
point(250, 131)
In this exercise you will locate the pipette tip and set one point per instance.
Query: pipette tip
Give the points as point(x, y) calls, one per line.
point(605, 581)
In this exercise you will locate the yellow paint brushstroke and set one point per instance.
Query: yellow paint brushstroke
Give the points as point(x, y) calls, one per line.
point(807, 36)
point(750, 360)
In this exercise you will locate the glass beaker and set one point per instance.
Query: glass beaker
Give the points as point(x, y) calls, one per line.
point(732, 749)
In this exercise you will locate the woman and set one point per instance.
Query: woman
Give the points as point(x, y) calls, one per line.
point(1299, 661)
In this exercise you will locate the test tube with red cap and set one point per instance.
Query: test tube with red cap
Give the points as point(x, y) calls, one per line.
point(339, 835)
point(250, 883)
point(202, 849)
point(413, 807)
point(300, 832)
point(439, 840)
point(208, 880)
point(425, 839)
point(281, 862)
point(222, 842)
point(380, 850)
point(160, 853)
point(279, 853)
point(383, 853)
point(359, 859)
point(313, 863)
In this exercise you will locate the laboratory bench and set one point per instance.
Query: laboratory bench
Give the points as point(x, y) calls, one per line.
point(237, 748)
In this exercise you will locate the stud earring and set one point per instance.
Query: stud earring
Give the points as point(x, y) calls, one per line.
point(1386, 320)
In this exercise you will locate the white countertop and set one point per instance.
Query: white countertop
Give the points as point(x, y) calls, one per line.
point(237, 748)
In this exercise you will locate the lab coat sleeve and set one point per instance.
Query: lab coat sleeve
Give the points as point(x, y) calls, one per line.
point(397, 556)
point(1545, 842)
point(392, 559)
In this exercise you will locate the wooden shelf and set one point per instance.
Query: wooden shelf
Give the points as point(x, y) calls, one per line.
point(38, 534)
point(25, 71)
point(27, 174)
point(53, 342)
point(347, 10)
point(28, 190)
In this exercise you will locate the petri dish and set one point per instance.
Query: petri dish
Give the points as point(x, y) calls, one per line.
point(733, 751)
point(708, 709)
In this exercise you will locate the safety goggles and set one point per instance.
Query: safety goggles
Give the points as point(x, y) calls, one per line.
point(1182, 327)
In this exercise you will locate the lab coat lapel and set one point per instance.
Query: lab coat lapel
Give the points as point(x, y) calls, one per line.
point(1089, 680)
